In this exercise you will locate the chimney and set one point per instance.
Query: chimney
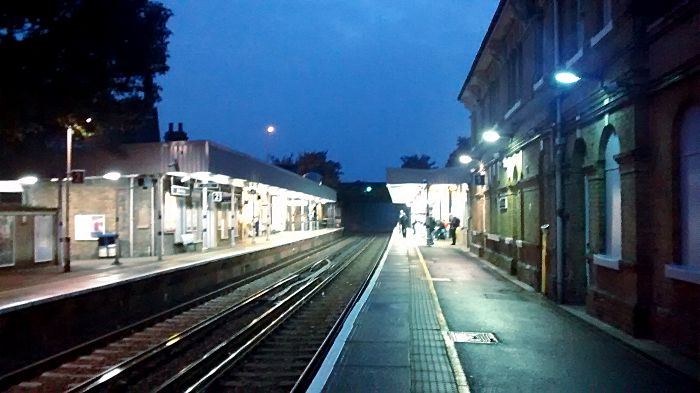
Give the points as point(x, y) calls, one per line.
point(170, 127)
point(179, 127)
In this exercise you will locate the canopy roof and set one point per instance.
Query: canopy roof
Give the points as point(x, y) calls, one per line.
point(203, 159)
point(405, 184)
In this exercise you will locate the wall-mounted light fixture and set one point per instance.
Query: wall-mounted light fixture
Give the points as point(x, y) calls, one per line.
point(490, 136)
point(566, 77)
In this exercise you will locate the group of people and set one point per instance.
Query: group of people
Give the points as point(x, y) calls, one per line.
point(430, 225)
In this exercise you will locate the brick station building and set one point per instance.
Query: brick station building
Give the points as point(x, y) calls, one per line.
point(591, 193)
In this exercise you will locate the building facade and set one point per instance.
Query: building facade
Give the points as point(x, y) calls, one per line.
point(591, 194)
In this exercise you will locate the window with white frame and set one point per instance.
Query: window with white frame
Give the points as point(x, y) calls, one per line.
point(690, 187)
point(603, 13)
point(570, 28)
point(613, 205)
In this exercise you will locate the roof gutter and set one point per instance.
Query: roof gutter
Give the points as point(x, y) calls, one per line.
point(492, 26)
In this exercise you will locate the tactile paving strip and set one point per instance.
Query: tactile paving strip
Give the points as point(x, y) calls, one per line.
point(430, 366)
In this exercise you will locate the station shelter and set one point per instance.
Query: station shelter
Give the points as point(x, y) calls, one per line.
point(438, 193)
point(170, 197)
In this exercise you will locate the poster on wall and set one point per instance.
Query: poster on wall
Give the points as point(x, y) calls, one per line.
point(7, 240)
point(88, 226)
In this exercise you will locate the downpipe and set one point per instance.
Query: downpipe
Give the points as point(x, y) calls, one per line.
point(560, 161)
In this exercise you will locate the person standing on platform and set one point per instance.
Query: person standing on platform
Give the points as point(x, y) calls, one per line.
point(454, 224)
point(403, 221)
point(429, 228)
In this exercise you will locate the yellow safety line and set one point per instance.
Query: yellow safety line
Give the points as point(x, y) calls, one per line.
point(460, 378)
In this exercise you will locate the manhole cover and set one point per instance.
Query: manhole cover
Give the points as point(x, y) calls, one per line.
point(474, 337)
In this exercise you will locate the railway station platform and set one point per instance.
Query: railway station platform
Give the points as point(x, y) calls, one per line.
point(439, 319)
point(27, 287)
point(39, 305)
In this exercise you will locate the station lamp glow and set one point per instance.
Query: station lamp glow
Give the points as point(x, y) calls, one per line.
point(465, 159)
point(27, 180)
point(112, 175)
point(368, 189)
point(270, 129)
point(566, 77)
point(490, 136)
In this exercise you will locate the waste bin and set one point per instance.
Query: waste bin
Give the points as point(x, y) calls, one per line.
point(107, 245)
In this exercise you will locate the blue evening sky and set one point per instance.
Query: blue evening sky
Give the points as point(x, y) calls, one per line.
point(366, 80)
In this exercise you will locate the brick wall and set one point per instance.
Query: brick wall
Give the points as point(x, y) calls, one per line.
point(99, 197)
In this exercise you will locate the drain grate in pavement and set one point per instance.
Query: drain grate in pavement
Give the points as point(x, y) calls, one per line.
point(474, 337)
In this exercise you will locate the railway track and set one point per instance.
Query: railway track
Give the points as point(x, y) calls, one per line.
point(70, 368)
point(288, 358)
point(181, 350)
point(281, 352)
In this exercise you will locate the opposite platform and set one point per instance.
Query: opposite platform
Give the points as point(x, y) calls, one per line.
point(28, 287)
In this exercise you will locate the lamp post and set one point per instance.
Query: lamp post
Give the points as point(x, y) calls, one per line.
point(428, 220)
point(65, 214)
point(66, 206)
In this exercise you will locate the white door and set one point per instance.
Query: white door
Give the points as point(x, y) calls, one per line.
point(43, 238)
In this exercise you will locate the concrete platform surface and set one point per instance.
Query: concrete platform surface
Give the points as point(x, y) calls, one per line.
point(404, 336)
point(28, 287)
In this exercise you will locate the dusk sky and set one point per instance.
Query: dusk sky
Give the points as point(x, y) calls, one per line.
point(366, 80)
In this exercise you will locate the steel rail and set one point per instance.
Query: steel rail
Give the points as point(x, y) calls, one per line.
point(311, 369)
point(252, 334)
point(130, 366)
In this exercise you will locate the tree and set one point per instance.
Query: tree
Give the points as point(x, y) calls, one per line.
point(286, 162)
point(417, 162)
point(464, 146)
point(65, 61)
point(313, 162)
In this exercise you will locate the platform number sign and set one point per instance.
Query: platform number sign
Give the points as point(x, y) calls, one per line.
point(217, 196)
point(77, 176)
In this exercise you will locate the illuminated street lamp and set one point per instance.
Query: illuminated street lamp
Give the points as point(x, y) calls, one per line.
point(465, 159)
point(270, 129)
point(490, 136)
point(566, 77)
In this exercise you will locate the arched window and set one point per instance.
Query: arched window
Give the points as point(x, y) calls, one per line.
point(689, 176)
point(613, 205)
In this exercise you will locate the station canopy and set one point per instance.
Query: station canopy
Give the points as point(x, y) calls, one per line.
point(405, 184)
point(204, 161)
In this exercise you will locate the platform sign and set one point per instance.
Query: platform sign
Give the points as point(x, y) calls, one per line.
point(88, 226)
point(208, 186)
point(217, 196)
point(179, 190)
